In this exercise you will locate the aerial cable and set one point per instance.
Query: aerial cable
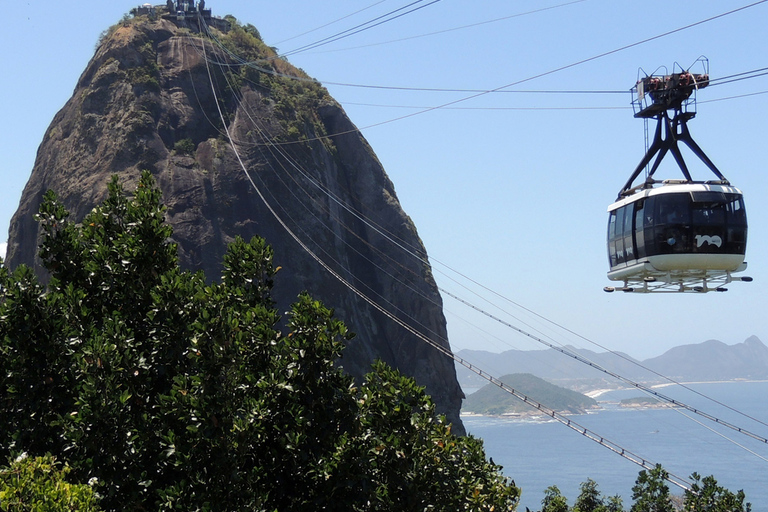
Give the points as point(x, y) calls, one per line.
point(713, 81)
point(472, 25)
point(340, 202)
point(416, 107)
point(362, 27)
point(336, 199)
point(574, 64)
point(607, 349)
point(742, 78)
point(735, 97)
point(479, 92)
point(330, 22)
point(564, 351)
point(362, 295)
point(359, 216)
point(615, 375)
point(402, 312)
point(552, 71)
point(733, 441)
point(642, 462)
point(443, 89)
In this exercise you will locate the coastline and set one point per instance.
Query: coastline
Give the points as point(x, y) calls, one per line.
point(595, 393)
point(537, 415)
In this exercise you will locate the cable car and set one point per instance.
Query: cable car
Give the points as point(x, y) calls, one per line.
point(675, 235)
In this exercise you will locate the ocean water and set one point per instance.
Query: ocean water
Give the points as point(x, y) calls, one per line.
point(538, 454)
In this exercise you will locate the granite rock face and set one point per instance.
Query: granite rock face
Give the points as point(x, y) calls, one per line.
point(238, 149)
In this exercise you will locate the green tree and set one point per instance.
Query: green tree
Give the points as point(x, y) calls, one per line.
point(705, 495)
point(553, 500)
point(39, 483)
point(651, 493)
point(589, 498)
point(614, 504)
point(176, 394)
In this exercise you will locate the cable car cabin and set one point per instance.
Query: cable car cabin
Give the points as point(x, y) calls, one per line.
point(681, 236)
point(675, 235)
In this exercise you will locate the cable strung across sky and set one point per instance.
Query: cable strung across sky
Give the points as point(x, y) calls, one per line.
point(437, 346)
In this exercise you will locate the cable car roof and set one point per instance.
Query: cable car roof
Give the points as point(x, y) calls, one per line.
point(674, 187)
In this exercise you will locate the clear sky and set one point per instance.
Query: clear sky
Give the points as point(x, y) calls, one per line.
point(508, 188)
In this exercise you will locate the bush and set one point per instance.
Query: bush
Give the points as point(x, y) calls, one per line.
point(184, 147)
point(176, 394)
point(39, 484)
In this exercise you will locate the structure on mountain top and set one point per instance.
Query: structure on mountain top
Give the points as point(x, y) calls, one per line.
point(185, 14)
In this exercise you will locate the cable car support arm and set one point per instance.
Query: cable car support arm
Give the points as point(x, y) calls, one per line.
point(668, 132)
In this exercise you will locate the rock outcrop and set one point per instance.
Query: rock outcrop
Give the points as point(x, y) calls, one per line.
point(159, 97)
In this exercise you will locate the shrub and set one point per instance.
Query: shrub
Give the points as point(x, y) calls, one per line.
point(184, 147)
point(39, 484)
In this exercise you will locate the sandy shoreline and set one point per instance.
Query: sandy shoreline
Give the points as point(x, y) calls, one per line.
point(598, 392)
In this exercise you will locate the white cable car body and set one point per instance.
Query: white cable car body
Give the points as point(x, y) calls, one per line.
point(680, 236)
point(675, 235)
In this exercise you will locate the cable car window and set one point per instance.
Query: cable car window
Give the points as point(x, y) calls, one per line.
point(673, 209)
point(707, 196)
point(709, 214)
point(627, 230)
point(619, 239)
point(640, 229)
point(611, 239)
point(629, 251)
point(737, 215)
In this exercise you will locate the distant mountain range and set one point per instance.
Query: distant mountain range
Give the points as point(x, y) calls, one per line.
point(708, 361)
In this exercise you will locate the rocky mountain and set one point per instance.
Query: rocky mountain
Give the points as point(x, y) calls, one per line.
point(708, 361)
point(242, 143)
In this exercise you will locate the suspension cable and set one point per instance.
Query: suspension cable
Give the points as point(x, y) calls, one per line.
point(445, 351)
point(580, 358)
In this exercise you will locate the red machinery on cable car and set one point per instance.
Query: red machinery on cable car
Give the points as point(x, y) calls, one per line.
point(675, 235)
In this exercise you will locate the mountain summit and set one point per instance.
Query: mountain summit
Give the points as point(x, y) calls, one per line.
point(242, 143)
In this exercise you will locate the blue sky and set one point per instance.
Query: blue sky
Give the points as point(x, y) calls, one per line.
point(509, 189)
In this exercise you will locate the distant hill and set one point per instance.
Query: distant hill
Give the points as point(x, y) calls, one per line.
point(714, 360)
point(492, 400)
point(708, 361)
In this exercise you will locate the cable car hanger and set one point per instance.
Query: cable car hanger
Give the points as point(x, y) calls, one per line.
point(675, 235)
point(674, 92)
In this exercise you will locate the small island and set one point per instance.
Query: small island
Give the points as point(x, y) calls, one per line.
point(490, 400)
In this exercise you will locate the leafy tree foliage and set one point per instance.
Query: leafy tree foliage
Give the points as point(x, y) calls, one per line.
point(174, 394)
point(651, 493)
point(590, 500)
point(39, 483)
point(706, 495)
point(553, 500)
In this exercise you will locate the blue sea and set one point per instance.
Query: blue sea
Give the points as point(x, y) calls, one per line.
point(538, 454)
